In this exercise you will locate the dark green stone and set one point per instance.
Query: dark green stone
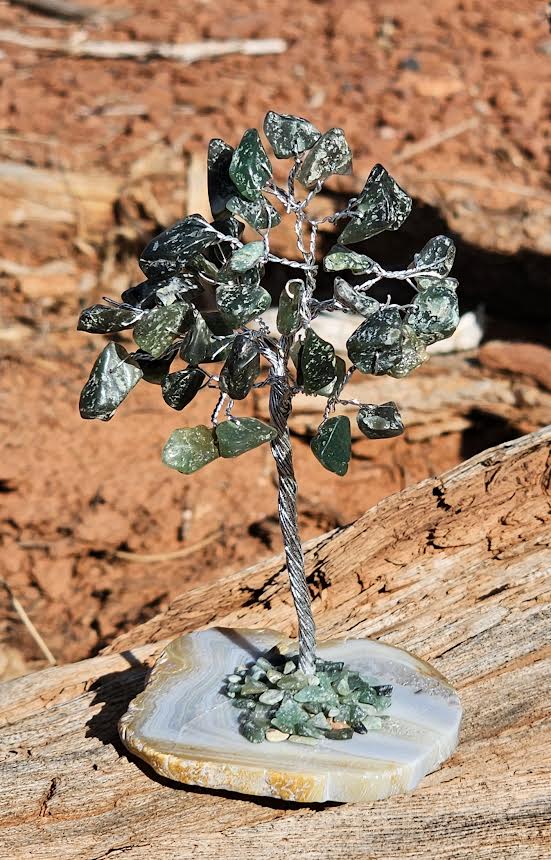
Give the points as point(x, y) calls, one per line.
point(113, 375)
point(329, 155)
point(289, 135)
point(239, 303)
point(238, 435)
point(159, 290)
point(179, 388)
point(157, 328)
point(323, 693)
point(241, 368)
point(375, 346)
point(203, 266)
point(423, 282)
point(250, 166)
point(190, 448)
point(317, 362)
point(290, 717)
point(220, 186)
point(435, 313)
point(169, 252)
point(351, 298)
point(437, 256)
point(382, 205)
point(380, 422)
point(340, 258)
point(200, 344)
point(252, 731)
point(154, 369)
point(336, 383)
point(332, 444)
point(413, 354)
point(246, 257)
point(288, 314)
point(100, 319)
point(259, 214)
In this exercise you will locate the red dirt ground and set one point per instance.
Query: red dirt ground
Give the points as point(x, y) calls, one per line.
point(392, 74)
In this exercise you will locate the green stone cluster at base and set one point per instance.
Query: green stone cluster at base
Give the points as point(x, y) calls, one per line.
point(279, 702)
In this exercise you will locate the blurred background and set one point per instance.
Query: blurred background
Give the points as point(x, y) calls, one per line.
point(106, 112)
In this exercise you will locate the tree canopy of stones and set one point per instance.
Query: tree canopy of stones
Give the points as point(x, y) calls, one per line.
point(197, 321)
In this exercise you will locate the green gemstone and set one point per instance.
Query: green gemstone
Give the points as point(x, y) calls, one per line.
point(246, 257)
point(375, 346)
point(190, 448)
point(112, 377)
point(437, 256)
point(154, 369)
point(241, 368)
point(180, 388)
point(290, 717)
point(336, 383)
point(220, 186)
point(317, 362)
point(382, 205)
point(250, 166)
point(425, 281)
point(322, 694)
point(289, 135)
point(435, 313)
point(238, 435)
point(329, 155)
point(380, 422)
point(252, 731)
point(200, 344)
point(259, 214)
point(169, 252)
point(292, 682)
point(332, 444)
point(240, 303)
point(100, 319)
point(289, 320)
point(413, 354)
point(157, 328)
point(203, 266)
point(340, 258)
point(351, 298)
point(159, 290)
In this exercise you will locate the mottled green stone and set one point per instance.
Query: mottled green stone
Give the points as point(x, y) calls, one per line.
point(169, 252)
point(336, 383)
point(164, 290)
point(190, 448)
point(437, 256)
point(180, 388)
point(375, 346)
point(238, 435)
point(200, 344)
point(101, 319)
point(239, 303)
point(380, 422)
point(329, 155)
point(259, 214)
point(414, 353)
point(112, 377)
point(288, 313)
point(332, 444)
point(423, 282)
point(435, 313)
point(292, 682)
point(323, 693)
point(202, 265)
point(246, 257)
point(340, 258)
point(241, 368)
point(252, 731)
point(250, 166)
point(317, 362)
point(157, 328)
point(154, 369)
point(289, 135)
point(382, 205)
point(351, 298)
point(290, 717)
point(220, 186)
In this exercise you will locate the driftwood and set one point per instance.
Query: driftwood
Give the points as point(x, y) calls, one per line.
point(455, 569)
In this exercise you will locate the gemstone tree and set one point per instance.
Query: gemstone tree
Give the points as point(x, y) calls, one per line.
point(203, 300)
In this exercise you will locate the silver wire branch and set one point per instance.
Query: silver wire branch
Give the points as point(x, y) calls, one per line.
point(217, 408)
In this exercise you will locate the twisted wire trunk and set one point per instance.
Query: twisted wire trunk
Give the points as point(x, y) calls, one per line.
point(280, 409)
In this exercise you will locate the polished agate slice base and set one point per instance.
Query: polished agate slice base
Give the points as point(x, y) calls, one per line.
point(187, 729)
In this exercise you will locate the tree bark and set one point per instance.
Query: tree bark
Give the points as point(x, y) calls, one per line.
point(455, 569)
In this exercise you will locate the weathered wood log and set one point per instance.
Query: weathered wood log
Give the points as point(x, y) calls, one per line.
point(455, 569)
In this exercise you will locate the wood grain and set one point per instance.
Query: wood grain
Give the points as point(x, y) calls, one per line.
point(455, 569)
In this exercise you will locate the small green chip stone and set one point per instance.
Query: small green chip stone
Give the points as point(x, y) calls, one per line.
point(353, 299)
point(437, 256)
point(332, 444)
point(220, 186)
point(157, 328)
point(435, 313)
point(376, 345)
point(239, 303)
point(250, 166)
point(190, 448)
point(241, 368)
point(113, 376)
point(317, 362)
point(246, 257)
point(382, 205)
point(380, 422)
point(340, 258)
point(100, 319)
point(238, 435)
point(329, 155)
point(259, 214)
point(288, 314)
point(180, 388)
point(289, 135)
